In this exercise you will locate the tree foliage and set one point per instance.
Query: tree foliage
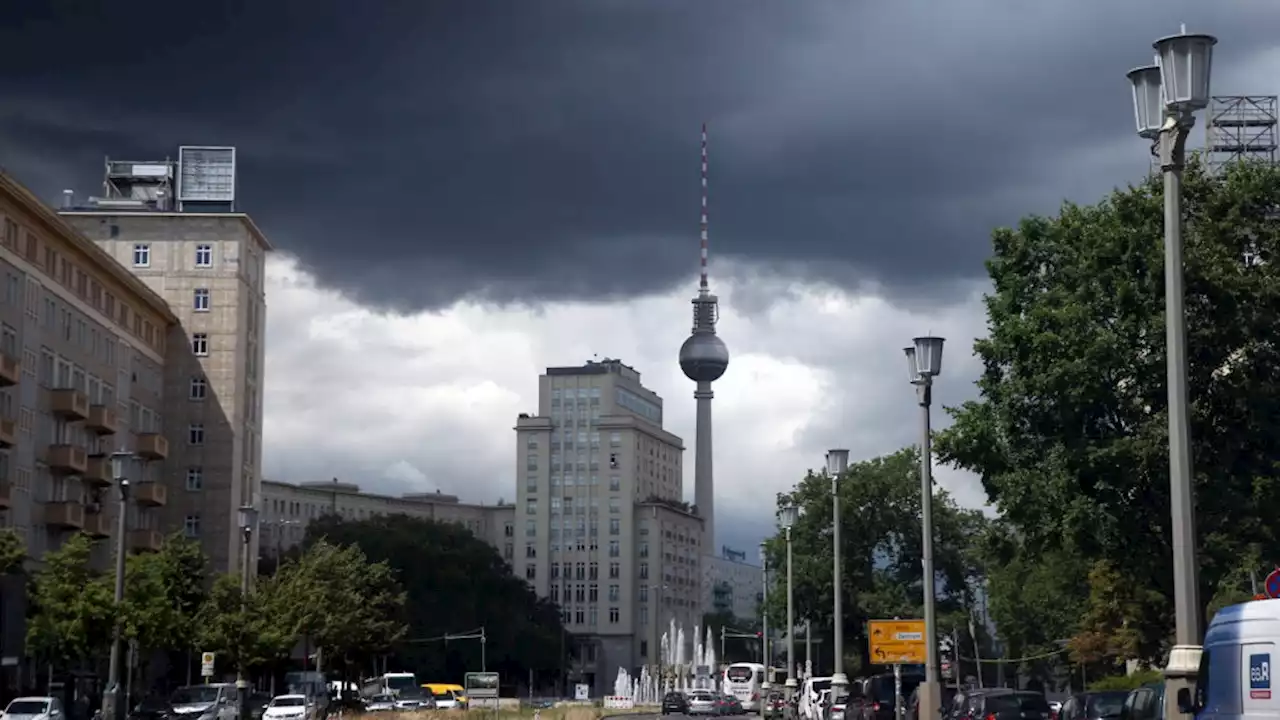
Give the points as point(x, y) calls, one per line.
point(247, 630)
point(73, 606)
point(881, 549)
point(353, 608)
point(13, 551)
point(455, 582)
point(1070, 433)
point(736, 649)
point(164, 592)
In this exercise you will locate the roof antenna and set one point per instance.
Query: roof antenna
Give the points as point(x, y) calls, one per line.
point(1183, 29)
point(703, 288)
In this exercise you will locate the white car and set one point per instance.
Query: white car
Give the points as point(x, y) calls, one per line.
point(381, 703)
point(34, 708)
point(287, 707)
point(446, 700)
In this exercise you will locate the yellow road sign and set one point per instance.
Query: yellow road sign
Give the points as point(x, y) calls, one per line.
point(896, 642)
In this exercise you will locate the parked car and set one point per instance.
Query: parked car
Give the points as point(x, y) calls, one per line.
point(775, 705)
point(878, 702)
point(34, 708)
point(729, 705)
point(675, 703)
point(1144, 703)
point(1012, 705)
point(1106, 705)
point(288, 707)
point(152, 707)
point(384, 702)
point(703, 702)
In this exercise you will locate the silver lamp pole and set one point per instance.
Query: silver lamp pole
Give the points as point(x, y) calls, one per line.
point(113, 705)
point(924, 362)
point(837, 463)
point(1165, 96)
point(764, 622)
point(248, 522)
point(787, 518)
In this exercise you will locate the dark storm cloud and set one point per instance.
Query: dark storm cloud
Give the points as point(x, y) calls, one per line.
point(532, 150)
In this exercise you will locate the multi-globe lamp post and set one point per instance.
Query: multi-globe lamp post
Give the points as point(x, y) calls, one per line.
point(787, 515)
point(837, 463)
point(113, 704)
point(924, 363)
point(1165, 97)
point(248, 517)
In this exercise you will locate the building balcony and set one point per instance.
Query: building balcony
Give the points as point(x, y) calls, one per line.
point(145, 540)
point(152, 446)
point(10, 371)
point(6, 496)
point(64, 515)
point(8, 433)
point(102, 420)
point(97, 470)
point(67, 459)
point(68, 404)
point(97, 526)
point(151, 494)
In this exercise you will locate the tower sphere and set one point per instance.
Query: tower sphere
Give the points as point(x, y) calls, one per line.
point(704, 357)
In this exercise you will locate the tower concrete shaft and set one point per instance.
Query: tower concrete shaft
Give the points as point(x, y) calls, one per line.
point(704, 495)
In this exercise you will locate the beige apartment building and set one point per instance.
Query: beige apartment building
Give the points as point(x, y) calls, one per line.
point(82, 358)
point(288, 508)
point(601, 528)
point(209, 268)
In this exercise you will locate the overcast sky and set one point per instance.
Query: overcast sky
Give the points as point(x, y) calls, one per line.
point(464, 193)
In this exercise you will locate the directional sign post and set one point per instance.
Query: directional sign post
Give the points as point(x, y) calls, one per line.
point(896, 642)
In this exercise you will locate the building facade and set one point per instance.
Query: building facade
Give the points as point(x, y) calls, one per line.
point(601, 527)
point(731, 584)
point(83, 346)
point(288, 508)
point(209, 268)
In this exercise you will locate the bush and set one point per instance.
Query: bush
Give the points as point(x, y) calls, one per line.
point(1126, 682)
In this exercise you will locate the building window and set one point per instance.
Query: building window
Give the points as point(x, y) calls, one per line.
point(613, 615)
point(595, 571)
point(191, 526)
point(530, 551)
point(615, 570)
point(593, 593)
point(644, 571)
point(615, 526)
point(530, 572)
point(195, 434)
point(142, 255)
point(614, 549)
point(195, 478)
point(644, 593)
point(615, 482)
point(531, 483)
point(615, 439)
point(531, 507)
point(531, 528)
point(508, 530)
point(200, 300)
point(199, 388)
point(204, 256)
point(615, 591)
point(200, 344)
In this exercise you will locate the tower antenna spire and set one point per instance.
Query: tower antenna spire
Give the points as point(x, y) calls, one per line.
point(702, 283)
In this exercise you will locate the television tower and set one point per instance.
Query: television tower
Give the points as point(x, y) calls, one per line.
point(704, 358)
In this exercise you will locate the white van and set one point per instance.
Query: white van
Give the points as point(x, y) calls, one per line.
point(1236, 676)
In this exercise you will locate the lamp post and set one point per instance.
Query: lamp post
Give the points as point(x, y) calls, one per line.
point(924, 362)
point(113, 706)
point(1165, 98)
point(764, 620)
point(787, 515)
point(837, 463)
point(248, 521)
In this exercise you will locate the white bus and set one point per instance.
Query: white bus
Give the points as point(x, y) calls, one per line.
point(388, 684)
point(744, 681)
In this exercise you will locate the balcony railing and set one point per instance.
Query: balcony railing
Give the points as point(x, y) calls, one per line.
point(152, 446)
point(66, 515)
point(68, 459)
point(151, 494)
point(10, 371)
point(69, 404)
point(102, 420)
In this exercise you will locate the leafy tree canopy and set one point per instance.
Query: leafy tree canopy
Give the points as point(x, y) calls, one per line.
point(13, 551)
point(455, 582)
point(73, 606)
point(164, 591)
point(247, 630)
point(881, 549)
point(1069, 435)
point(736, 649)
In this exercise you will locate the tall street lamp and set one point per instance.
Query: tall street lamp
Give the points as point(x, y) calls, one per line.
point(787, 515)
point(248, 522)
point(764, 621)
point(1165, 96)
point(837, 463)
point(924, 362)
point(113, 706)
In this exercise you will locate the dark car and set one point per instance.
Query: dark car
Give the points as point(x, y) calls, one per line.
point(878, 702)
point(1013, 705)
point(912, 711)
point(258, 703)
point(775, 705)
point(675, 703)
point(1144, 703)
point(1094, 705)
point(152, 708)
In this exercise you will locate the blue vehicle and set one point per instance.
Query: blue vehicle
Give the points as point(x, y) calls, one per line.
point(1236, 680)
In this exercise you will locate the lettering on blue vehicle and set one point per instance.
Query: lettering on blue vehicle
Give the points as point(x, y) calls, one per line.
point(1260, 676)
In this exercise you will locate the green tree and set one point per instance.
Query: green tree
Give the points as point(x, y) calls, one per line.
point(164, 592)
point(13, 551)
point(1069, 434)
point(880, 546)
point(73, 607)
point(455, 582)
point(247, 630)
point(356, 608)
point(736, 649)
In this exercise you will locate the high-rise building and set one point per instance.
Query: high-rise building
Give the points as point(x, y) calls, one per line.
point(173, 226)
point(601, 528)
point(83, 347)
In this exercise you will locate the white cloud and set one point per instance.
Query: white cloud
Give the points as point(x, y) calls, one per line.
point(426, 401)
